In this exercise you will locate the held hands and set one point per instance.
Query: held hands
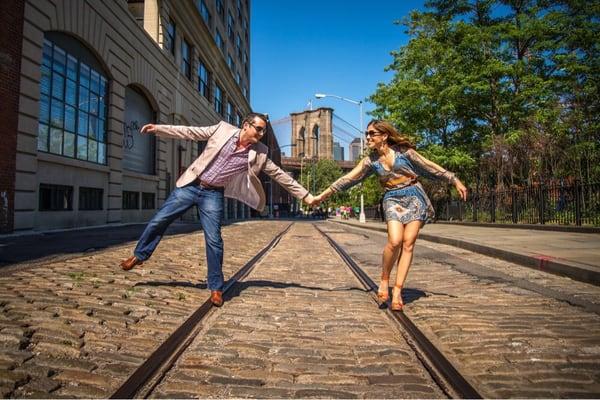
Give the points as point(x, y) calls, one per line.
point(149, 128)
point(461, 189)
point(310, 200)
point(324, 195)
point(320, 198)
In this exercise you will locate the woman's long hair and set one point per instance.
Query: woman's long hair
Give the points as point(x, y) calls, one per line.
point(394, 139)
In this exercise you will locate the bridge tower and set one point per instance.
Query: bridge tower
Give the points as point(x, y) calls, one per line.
point(312, 134)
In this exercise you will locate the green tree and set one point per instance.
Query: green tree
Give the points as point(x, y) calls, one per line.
point(505, 92)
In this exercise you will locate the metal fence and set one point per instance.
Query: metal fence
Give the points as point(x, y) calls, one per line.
point(559, 204)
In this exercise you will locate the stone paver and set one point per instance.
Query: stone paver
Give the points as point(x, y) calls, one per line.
point(79, 326)
point(507, 333)
point(299, 326)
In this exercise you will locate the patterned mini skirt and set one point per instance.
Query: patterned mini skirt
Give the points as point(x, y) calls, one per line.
point(408, 204)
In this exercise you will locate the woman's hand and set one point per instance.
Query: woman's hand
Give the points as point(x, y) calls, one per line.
point(461, 189)
point(149, 128)
point(322, 196)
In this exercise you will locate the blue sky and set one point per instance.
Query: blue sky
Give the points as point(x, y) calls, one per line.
point(299, 48)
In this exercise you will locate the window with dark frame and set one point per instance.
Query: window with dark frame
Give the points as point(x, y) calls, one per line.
point(218, 99)
point(231, 63)
point(136, 8)
point(203, 80)
point(131, 200)
point(204, 12)
point(169, 36)
point(238, 45)
point(186, 64)
point(230, 25)
point(219, 41)
point(220, 8)
point(147, 201)
point(230, 113)
point(73, 107)
point(55, 197)
point(90, 198)
point(239, 9)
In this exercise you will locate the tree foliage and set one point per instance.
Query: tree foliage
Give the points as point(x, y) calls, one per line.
point(503, 92)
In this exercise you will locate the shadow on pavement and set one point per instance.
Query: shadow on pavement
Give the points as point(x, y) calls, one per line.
point(408, 295)
point(237, 289)
point(241, 286)
point(59, 245)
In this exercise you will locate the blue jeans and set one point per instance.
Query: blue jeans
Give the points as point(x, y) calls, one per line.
point(210, 210)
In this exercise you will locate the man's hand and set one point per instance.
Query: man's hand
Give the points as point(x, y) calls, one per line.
point(149, 128)
point(462, 190)
point(310, 200)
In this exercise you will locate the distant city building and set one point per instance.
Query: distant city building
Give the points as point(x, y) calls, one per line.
point(354, 149)
point(338, 151)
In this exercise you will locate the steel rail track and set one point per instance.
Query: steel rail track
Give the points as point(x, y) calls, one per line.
point(163, 358)
point(443, 372)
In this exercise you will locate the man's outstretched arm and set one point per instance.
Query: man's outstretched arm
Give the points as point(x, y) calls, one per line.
point(196, 133)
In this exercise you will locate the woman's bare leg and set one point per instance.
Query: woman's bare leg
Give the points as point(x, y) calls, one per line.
point(411, 231)
point(391, 252)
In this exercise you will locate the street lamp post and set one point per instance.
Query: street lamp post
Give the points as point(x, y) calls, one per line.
point(359, 103)
point(271, 179)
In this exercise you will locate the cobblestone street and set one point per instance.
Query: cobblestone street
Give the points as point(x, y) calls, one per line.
point(300, 325)
point(78, 328)
point(500, 323)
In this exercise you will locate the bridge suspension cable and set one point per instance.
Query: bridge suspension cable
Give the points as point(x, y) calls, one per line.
point(347, 123)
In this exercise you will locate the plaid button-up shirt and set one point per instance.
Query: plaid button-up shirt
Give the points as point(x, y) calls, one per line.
point(226, 164)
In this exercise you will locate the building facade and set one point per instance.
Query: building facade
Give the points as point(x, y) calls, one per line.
point(354, 149)
point(338, 152)
point(91, 74)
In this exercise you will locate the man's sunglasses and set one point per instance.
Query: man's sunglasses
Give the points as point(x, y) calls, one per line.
point(259, 129)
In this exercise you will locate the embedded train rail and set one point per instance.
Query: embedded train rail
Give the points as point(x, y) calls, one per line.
point(150, 373)
point(443, 372)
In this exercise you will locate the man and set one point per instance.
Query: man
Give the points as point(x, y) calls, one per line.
point(229, 166)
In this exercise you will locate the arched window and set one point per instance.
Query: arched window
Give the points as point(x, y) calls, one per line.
point(73, 101)
point(302, 142)
point(315, 139)
point(138, 149)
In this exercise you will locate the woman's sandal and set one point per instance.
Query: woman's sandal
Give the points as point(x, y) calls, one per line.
point(383, 297)
point(397, 305)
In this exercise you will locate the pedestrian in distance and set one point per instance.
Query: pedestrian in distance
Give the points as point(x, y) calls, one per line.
point(406, 207)
point(229, 166)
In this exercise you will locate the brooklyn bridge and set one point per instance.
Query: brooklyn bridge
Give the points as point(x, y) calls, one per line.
point(314, 136)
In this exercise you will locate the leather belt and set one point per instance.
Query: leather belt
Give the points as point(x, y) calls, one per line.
point(203, 185)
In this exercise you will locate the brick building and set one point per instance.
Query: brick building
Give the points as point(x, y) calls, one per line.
point(80, 78)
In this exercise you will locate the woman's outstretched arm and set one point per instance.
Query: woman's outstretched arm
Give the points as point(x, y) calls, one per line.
point(358, 173)
point(432, 170)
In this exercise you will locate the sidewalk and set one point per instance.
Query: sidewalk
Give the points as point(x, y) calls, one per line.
point(575, 255)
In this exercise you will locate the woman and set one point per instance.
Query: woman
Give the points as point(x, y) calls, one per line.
point(405, 205)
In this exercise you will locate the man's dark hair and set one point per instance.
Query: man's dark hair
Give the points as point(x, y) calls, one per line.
point(250, 117)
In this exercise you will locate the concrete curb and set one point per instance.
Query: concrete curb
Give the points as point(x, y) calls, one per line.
point(541, 263)
point(553, 228)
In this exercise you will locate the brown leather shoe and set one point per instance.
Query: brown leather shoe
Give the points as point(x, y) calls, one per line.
point(130, 262)
point(216, 297)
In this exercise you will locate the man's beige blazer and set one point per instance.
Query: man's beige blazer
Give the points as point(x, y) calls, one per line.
point(245, 186)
